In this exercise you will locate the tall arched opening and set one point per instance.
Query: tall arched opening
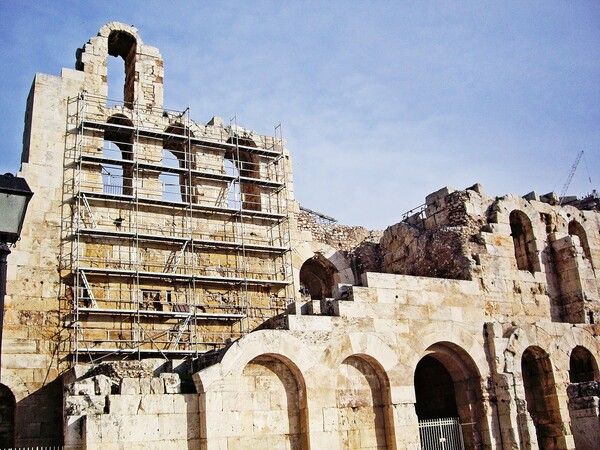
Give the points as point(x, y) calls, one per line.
point(575, 229)
point(363, 405)
point(124, 45)
point(273, 405)
point(317, 277)
point(247, 162)
point(542, 399)
point(117, 177)
point(449, 399)
point(177, 146)
point(523, 241)
point(7, 417)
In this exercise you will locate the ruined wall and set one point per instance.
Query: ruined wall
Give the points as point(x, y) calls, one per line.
point(129, 404)
point(498, 297)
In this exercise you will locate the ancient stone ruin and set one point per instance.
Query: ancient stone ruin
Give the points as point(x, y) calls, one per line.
point(169, 292)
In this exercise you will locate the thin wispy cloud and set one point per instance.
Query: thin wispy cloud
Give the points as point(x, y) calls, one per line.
point(381, 103)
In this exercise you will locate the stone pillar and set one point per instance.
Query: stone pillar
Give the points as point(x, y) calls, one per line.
point(584, 411)
point(406, 426)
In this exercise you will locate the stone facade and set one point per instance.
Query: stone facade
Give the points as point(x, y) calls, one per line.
point(168, 292)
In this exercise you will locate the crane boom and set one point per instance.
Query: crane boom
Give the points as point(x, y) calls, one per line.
point(573, 169)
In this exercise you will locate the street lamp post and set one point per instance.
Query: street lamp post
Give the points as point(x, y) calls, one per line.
point(14, 198)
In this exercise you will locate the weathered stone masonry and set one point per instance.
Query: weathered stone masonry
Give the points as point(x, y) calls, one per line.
point(168, 292)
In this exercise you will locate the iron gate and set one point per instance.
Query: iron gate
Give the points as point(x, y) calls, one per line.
point(441, 434)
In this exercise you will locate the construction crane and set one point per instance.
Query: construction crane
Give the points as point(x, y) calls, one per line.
point(570, 177)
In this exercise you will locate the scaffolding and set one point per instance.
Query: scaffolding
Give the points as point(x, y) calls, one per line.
point(175, 235)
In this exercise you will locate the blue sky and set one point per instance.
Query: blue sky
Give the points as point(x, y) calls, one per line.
point(381, 102)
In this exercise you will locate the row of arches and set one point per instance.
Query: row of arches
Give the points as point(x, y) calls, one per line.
point(524, 241)
point(239, 164)
point(359, 407)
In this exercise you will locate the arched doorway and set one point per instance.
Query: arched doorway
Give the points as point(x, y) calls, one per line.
point(542, 399)
point(7, 417)
point(362, 397)
point(317, 277)
point(449, 399)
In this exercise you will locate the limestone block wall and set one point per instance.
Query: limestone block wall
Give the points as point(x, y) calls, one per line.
point(466, 235)
point(584, 411)
point(32, 329)
point(117, 411)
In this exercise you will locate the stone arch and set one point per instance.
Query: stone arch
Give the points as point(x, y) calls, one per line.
point(276, 414)
point(122, 43)
point(317, 277)
point(521, 231)
point(457, 336)
point(363, 404)
point(306, 250)
point(364, 361)
point(582, 365)
point(8, 405)
point(177, 150)
point(541, 397)
point(448, 381)
point(252, 345)
point(575, 229)
point(118, 144)
point(247, 163)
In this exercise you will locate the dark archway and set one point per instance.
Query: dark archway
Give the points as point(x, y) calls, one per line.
point(123, 44)
point(448, 385)
point(434, 390)
point(317, 276)
point(542, 399)
point(582, 365)
point(7, 417)
point(522, 234)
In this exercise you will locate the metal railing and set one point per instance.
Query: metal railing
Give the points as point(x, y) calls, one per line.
point(441, 434)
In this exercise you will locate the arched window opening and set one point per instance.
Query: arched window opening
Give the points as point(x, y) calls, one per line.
point(123, 44)
point(582, 365)
point(248, 164)
point(542, 400)
point(362, 401)
point(522, 234)
point(178, 145)
point(171, 187)
point(117, 176)
point(7, 417)
point(234, 196)
point(575, 229)
point(317, 277)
